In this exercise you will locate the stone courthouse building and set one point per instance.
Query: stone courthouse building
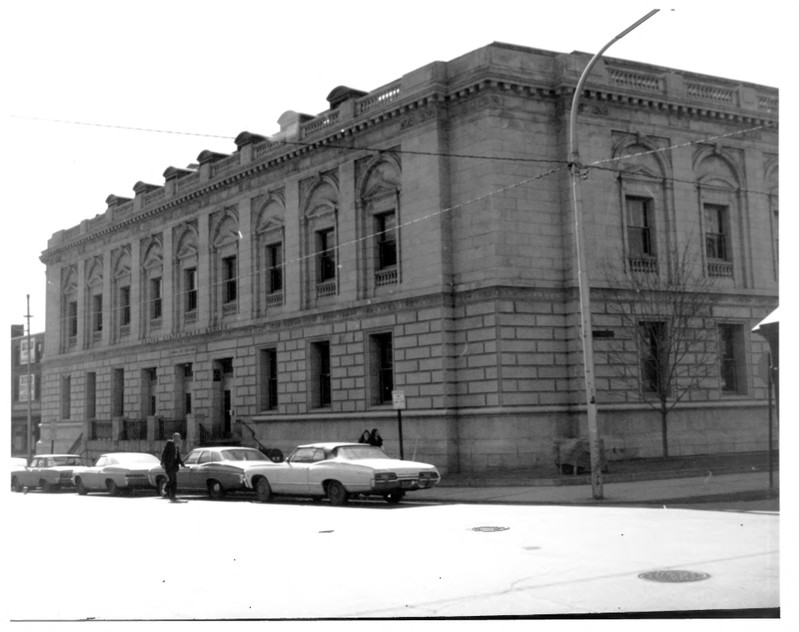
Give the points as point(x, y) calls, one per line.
point(418, 238)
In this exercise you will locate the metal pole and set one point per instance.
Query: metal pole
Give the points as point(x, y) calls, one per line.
point(400, 430)
point(769, 415)
point(583, 281)
point(29, 437)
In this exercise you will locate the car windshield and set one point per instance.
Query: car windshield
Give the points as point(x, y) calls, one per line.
point(66, 460)
point(357, 452)
point(240, 454)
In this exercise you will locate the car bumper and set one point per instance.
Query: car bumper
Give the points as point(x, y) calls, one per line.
point(402, 485)
point(136, 482)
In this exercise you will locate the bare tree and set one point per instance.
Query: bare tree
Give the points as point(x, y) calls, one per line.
point(668, 343)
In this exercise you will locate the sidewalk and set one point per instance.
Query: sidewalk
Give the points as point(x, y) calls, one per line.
point(705, 478)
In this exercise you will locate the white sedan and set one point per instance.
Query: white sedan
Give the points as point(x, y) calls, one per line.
point(115, 472)
point(340, 471)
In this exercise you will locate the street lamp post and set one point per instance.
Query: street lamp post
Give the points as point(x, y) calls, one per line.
point(583, 281)
point(29, 386)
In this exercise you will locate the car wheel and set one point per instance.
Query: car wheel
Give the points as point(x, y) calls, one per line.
point(81, 487)
point(161, 486)
point(112, 488)
point(337, 494)
point(15, 485)
point(263, 490)
point(216, 490)
point(46, 487)
point(394, 497)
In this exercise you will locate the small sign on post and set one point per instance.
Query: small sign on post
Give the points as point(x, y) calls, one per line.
point(399, 400)
point(399, 404)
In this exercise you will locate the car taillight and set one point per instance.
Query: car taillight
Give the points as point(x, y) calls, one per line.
point(428, 476)
point(385, 477)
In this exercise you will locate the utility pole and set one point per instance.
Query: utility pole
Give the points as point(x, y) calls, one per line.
point(576, 169)
point(29, 437)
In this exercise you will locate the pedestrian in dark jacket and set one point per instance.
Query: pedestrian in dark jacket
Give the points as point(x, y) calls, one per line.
point(375, 438)
point(364, 438)
point(171, 462)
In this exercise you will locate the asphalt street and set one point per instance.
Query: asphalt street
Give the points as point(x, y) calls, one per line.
point(145, 559)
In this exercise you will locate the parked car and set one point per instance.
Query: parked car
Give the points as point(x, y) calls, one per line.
point(48, 471)
point(215, 470)
point(340, 471)
point(115, 472)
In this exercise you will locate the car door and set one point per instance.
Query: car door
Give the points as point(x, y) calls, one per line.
point(292, 475)
point(30, 476)
point(91, 478)
point(188, 476)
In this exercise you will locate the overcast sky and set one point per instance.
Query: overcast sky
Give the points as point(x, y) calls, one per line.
point(202, 69)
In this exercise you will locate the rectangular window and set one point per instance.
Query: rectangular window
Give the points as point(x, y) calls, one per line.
point(24, 356)
point(91, 395)
point(731, 357)
point(321, 374)
point(149, 382)
point(66, 397)
point(386, 240)
point(641, 242)
point(716, 220)
point(72, 319)
point(97, 313)
point(326, 256)
point(118, 392)
point(269, 379)
point(190, 290)
point(274, 268)
point(381, 368)
point(155, 299)
point(184, 377)
point(125, 305)
point(27, 389)
point(653, 355)
point(229, 282)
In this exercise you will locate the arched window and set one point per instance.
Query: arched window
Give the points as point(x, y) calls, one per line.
point(225, 244)
point(719, 206)
point(270, 254)
point(186, 274)
point(153, 285)
point(69, 308)
point(320, 234)
point(121, 292)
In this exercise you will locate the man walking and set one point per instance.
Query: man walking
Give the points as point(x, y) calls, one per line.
point(171, 461)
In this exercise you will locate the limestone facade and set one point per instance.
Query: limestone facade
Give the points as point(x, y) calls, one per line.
point(418, 238)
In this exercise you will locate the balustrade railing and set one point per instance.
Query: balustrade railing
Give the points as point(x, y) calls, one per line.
point(637, 80)
point(720, 268)
point(386, 277)
point(275, 300)
point(378, 98)
point(706, 92)
point(643, 264)
point(226, 163)
point(328, 288)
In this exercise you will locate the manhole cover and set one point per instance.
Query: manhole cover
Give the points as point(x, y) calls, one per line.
point(488, 529)
point(675, 576)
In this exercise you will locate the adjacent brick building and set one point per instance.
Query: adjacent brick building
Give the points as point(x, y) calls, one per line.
point(26, 388)
point(418, 238)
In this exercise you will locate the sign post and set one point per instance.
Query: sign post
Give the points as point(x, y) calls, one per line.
point(399, 404)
